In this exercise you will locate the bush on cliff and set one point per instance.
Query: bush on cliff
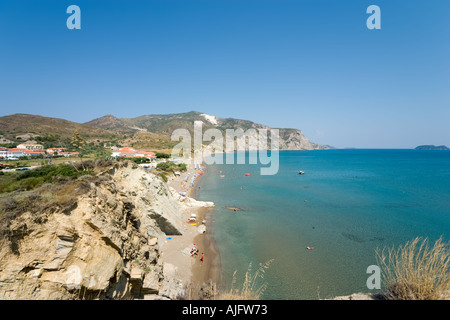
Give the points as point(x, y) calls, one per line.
point(171, 166)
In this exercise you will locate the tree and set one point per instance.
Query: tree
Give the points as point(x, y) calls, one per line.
point(79, 144)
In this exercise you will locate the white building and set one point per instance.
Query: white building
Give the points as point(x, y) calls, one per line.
point(13, 153)
point(3, 154)
point(30, 146)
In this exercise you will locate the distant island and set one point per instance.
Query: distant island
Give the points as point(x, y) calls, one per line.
point(431, 147)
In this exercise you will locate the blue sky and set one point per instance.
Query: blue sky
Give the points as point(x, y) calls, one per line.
point(311, 65)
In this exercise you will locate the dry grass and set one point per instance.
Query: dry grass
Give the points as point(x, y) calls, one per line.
point(253, 286)
point(416, 270)
point(208, 291)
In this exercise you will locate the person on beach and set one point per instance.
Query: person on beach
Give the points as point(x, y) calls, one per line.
point(194, 250)
point(202, 257)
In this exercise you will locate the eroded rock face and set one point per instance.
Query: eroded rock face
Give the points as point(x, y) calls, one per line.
point(106, 247)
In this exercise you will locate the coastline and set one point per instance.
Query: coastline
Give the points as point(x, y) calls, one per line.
point(210, 268)
point(193, 272)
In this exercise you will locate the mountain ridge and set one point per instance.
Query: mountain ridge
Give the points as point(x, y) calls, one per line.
point(290, 138)
point(138, 131)
point(20, 123)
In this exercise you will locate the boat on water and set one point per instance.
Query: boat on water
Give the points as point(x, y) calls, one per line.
point(248, 174)
point(301, 172)
point(309, 248)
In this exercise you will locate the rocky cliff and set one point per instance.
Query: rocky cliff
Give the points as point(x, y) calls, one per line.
point(105, 245)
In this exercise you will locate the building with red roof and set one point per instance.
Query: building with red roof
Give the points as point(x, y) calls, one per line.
point(129, 152)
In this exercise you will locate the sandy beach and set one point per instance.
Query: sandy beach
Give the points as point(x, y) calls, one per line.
point(176, 248)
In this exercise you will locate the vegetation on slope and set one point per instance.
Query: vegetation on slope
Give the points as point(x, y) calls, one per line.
point(31, 179)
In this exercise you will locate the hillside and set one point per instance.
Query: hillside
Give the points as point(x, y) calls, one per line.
point(290, 139)
point(110, 122)
point(160, 123)
point(150, 132)
point(19, 128)
point(23, 127)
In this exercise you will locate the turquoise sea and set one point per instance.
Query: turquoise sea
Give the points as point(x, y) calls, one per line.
point(356, 201)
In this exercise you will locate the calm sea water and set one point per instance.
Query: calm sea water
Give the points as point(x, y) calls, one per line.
point(357, 200)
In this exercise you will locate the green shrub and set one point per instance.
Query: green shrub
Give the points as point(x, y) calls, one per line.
point(162, 155)
point(170, 166)
point(139, 160)
point(164, 166)
point(164, 177)
point(31, 179)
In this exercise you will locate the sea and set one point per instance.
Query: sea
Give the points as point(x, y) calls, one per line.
point(346, 205)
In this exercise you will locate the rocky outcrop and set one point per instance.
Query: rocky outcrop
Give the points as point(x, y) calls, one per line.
point(292, 139)
point(360, 296)
point(187, 202)
point(106, 246)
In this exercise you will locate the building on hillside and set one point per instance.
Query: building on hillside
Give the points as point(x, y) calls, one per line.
point(14, 153)
point(129, 152)
point(3, 153)
point(30, 153)
point(149, 155)
point(52, 151)
point(30, 146)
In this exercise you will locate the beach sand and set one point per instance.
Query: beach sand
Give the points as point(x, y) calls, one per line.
point(176, 250)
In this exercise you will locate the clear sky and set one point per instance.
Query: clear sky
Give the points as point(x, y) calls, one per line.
point(311, 65)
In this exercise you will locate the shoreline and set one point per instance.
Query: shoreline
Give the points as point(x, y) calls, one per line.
point(210, 268)
point(192, 271)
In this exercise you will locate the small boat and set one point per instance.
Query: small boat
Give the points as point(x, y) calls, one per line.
point(221, 176)
point(248, 174)
point(301, 172)
point(309, 248)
